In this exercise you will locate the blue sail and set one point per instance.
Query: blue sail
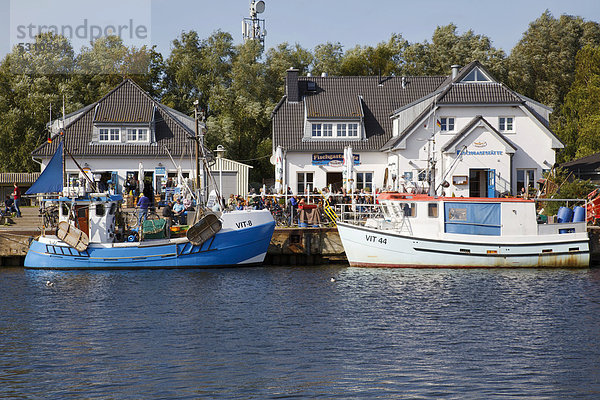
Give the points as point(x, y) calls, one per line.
point(51, 179)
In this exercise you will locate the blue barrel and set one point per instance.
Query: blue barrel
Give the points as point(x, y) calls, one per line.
point(565, 214)
point(579, 214)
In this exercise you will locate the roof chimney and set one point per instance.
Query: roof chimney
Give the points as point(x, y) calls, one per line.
point(455, 69)
point(291, 86)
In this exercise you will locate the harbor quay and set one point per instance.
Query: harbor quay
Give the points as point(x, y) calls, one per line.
point(289, 245)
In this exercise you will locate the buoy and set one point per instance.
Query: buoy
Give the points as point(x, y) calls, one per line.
point(332, 279)
point(48, 283)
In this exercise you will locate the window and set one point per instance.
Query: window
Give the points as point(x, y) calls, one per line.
point(327, 129)
point(475, 76)
point(341, 130)
point(110, 135)
point(506, 124)
point(115, 134)
point(446, 124)
point(525, 179)
point(432, 210)
point(305, 181)
point(406, 209)
point(316, 130)
point(353, 130)
point(137, 135)
point(364, 180)
point(100, 210)
point(423, 175)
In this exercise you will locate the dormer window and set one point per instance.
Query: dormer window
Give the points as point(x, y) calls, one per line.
point(475, 76)
point(331, 131)
point(110, 135)
point(137, 135)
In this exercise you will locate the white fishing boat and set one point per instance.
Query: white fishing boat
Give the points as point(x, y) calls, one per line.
point(413, 230)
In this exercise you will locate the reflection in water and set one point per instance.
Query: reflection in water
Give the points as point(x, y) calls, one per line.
point(279, 332)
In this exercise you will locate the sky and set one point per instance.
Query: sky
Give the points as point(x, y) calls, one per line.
point(306, 22)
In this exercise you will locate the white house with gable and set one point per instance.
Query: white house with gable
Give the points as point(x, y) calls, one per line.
point(464, 135)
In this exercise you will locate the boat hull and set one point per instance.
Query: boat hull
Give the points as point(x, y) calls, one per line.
point(369, 247)
point(246, 245)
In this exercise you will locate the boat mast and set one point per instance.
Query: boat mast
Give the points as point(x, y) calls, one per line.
point(62, 133)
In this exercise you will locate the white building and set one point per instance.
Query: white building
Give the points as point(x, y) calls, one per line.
point(464, 134)
point(127, 134)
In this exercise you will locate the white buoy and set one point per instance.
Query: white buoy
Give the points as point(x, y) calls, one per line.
point(332, 279)
point(48, 283)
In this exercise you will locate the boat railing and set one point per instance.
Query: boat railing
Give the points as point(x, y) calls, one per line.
point(357, 213)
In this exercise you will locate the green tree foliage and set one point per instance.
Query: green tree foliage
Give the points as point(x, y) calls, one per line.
point(578, 123)
point(31, 80)
point(195, 68)
point(327, 58)
point(542, 64)
point(278, 61)
point(384, 59)
point(448, 48)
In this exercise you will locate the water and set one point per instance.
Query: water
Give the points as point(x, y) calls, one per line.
point(293, 333)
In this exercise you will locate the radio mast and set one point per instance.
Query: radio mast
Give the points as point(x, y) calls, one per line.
point(253, 28)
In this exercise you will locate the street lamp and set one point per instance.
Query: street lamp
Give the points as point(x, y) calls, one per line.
point(220, 150)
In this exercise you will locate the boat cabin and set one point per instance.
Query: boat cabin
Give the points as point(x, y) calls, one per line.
point(95, 215)
point(423, 215)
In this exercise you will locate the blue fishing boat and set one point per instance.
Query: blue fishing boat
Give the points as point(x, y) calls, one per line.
point(92, 233)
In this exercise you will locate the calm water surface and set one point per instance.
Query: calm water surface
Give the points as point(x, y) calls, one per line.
point(293, 333)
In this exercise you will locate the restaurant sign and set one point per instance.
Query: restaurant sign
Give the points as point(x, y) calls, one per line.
point(332, 159)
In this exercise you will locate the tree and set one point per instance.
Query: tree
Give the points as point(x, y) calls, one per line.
point(32, 79)
point(542, 64)
point(239, 115)
point(578, 124)
point(327, 58)
point(448, 48)
point(387, 58)
point(278, 61)
point(195, 68)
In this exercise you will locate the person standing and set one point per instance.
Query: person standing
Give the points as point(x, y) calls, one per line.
point(143, 204)
point(17, 200)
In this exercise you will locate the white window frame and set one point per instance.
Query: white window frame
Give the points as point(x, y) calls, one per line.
point(447, 122)
point(134, 135)
point(114, 134)
point(104, 135)
point(352, 130)
point(529, 178)
point(504, 125)
point(316, 130)
point(363, 183)
point(331, 130)
point(478, 75)
point(304, 175)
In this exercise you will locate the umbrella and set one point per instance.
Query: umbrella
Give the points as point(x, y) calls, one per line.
point(141, 177)
point(350, 169)
point(278, 170)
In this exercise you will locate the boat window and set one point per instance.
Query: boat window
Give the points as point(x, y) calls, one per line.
point(432, 210)
point(65, 209)
point(100, 210)
point(409, 209)
point(113, 209)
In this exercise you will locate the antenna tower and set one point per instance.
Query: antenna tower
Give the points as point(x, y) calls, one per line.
point(253, 28)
